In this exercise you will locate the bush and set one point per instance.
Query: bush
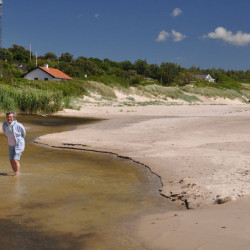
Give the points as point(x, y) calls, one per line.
point(137, 79)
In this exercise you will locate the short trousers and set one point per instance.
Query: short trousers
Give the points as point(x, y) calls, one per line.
point(12, 154)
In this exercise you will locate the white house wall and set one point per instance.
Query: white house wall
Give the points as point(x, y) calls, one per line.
point(38, 74)
point(209, 78)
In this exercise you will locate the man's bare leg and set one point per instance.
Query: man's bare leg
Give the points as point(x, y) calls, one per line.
point(15, 166)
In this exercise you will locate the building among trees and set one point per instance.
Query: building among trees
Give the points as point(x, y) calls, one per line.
point(47, 74)
point(206, 78)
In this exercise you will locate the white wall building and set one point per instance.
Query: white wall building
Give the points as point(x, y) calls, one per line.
point(47, 74)
point(206, 78)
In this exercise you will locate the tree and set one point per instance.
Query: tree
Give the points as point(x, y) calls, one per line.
point(99, 63)
point(66, 57)
point(111, 63)
point(6, 55)
point(10, 71)
point(184, 78)
point(31, 65)
point(195, 70)
point(66, 68)
point(168, 72)
point(50, 56)
point(126, 65)
point(141, 66)
point(154, 71)
point(84, 66)
point(20, 54)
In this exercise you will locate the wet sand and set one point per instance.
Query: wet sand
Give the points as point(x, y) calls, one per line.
point(201, 154)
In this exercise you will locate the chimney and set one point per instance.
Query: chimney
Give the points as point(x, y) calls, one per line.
point(46, 66)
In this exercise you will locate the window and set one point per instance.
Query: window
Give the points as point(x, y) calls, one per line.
point(46, 79)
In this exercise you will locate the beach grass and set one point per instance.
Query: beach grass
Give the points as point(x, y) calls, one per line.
point(30, 100)
point(245, 93)
point(67, 88)
point(99, 88)
point(167, 92)
point(48, 97)
point(110, 80)
point(212, 92)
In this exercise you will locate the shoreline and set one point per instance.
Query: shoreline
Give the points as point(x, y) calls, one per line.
point(74, 147)
point(199, 152)
point(115, 124)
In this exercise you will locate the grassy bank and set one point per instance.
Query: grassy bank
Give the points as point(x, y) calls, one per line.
point(167, 92)
point(48, 97)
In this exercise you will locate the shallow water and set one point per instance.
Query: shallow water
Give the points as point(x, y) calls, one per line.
point(68, 199)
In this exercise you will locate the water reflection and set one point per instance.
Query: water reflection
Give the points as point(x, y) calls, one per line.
point(71, 199)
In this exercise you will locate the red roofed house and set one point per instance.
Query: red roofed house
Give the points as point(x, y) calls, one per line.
point(47, 74)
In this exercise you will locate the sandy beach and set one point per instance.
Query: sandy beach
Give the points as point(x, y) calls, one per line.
point(201, 154)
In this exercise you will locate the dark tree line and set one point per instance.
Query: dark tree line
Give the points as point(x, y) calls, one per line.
point(167, 73)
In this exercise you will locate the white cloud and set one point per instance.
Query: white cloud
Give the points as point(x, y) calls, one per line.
point(176, 12)
point(96, 15)
point(177, 36)
point(163, 36)
point(238, 39)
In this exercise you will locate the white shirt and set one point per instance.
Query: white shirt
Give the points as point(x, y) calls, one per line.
point(10, 135)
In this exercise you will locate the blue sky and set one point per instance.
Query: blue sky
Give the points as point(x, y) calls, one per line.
point(203, 33)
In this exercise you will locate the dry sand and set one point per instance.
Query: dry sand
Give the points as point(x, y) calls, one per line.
point(200, 152)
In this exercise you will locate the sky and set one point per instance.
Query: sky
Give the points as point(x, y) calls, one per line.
point(201, 33)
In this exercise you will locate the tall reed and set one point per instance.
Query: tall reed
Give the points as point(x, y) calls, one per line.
point(30, 100)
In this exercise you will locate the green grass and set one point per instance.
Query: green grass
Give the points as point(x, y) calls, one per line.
point(29, 100)
point(190, 98)
point(211, 92)
point(48, 97)
point(71, 103)
point(130, 98)
point(167, 92)
point(99, 88)
point(223, 82)
point(110, 80)
point(245, 93)
point(67, 88)
point(37, 91)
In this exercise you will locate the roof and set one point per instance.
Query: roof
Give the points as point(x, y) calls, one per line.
point(56, 73)
point(203, 76)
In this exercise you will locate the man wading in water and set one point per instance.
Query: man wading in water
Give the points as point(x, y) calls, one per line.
point(15, 133)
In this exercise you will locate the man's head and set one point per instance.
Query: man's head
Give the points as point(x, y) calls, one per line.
point(10, 116)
